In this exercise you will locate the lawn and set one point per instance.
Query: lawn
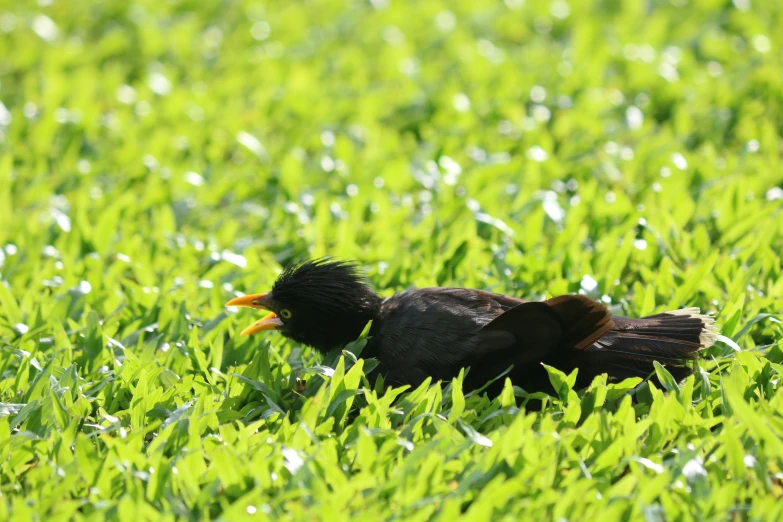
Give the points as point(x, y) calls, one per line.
point(157, 157)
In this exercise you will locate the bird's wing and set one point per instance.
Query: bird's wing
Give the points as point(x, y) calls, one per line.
point(569, 321)
point(504, 302)
point(535, 327)
point(588, 320)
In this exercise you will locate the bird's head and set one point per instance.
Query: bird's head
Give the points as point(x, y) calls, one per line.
point(321, 303)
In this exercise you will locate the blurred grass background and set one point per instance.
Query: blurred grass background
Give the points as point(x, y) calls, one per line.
point(157, 157)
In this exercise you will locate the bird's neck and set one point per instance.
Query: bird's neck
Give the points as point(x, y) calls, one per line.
point(355, 321)
point(374, 306)
point(348, 326)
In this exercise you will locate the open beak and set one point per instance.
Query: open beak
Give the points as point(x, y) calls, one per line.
point(257, 301)
point(270, 322)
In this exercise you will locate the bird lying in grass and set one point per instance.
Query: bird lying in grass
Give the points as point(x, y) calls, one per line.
point(435, 332)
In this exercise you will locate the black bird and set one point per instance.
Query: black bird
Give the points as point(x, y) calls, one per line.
point(434, 332)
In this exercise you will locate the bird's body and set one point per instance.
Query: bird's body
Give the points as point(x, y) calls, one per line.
point(435, 332)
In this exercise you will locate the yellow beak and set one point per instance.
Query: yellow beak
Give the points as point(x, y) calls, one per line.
point(250, 301)
point(257, 301)
point(270, 322)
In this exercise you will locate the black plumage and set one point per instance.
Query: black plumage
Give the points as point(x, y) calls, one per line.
point(435, 332)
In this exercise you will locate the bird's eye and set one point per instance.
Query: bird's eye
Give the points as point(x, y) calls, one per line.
point(285, 313)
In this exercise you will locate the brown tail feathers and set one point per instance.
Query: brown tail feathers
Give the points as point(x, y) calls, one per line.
point(628, 349)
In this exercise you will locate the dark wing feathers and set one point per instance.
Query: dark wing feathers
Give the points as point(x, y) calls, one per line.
point(536, 327)
point(587, 320)
point(503, 302)
point(572, 321)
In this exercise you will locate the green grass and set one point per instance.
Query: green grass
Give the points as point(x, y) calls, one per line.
point(157, 157)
